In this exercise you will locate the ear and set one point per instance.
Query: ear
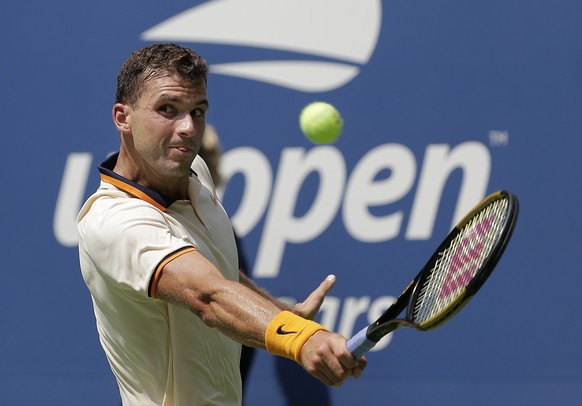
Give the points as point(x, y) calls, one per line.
point(121, 118)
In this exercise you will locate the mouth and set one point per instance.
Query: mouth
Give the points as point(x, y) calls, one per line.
point(182, 149)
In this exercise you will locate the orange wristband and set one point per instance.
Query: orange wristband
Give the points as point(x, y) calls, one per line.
point(287, 333)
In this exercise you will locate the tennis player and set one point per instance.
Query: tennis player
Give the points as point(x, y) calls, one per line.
point(158, 255)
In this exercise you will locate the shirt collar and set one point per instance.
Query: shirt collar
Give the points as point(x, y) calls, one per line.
point(151, 196)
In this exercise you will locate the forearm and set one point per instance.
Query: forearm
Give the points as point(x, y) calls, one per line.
point(235, 308)
point(282, 333)
point(240, 313)
point(246, 281)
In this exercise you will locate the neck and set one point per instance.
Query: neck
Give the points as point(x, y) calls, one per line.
point(137, 171)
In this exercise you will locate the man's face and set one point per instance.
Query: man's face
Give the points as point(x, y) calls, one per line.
point(167, 125)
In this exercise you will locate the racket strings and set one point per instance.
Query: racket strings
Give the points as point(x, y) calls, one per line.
point(458, 264)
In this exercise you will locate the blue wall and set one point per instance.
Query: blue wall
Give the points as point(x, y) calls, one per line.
point(443, 102)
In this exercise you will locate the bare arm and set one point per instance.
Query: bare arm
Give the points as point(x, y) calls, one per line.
point(193, 282)
point(243, 312)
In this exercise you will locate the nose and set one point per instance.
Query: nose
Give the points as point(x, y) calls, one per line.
point(186, 126)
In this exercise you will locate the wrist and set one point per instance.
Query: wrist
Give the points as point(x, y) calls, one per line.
point(288, 332)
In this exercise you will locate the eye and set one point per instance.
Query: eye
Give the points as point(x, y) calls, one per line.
point(166, 109)
point(198, 112)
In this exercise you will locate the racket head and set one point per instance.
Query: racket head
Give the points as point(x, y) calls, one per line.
point(463, 261)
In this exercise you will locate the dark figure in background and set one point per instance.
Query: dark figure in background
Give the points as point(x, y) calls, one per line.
point(290, 375)
point(211, 152)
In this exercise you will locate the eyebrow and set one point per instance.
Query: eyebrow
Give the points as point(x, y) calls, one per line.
point(164, 97)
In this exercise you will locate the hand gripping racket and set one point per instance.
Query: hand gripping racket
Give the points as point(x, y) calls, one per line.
point(454, 273)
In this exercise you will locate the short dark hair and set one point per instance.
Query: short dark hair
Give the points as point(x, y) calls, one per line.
point(154, 61)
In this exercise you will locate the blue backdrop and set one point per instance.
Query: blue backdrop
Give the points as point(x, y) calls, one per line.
point(444, 101)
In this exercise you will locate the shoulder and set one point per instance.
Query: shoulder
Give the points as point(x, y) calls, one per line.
point(110, 210)
point(203, 173)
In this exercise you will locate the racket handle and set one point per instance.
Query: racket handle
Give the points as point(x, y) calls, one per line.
point(359, 344)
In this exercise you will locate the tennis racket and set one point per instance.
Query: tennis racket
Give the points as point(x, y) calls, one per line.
point(452, 276)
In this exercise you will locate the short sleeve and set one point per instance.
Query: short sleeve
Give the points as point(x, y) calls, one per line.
point(125, 240)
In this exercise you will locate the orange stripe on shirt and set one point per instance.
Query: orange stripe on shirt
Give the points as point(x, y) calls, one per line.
point(158, 272)
point(132, 190)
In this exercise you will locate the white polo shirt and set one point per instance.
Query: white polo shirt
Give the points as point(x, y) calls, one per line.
point(160, 354)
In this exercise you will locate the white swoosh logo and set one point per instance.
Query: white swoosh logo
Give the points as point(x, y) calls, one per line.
point(345, 31)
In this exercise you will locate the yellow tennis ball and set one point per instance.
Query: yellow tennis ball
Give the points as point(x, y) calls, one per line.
point(321, 122)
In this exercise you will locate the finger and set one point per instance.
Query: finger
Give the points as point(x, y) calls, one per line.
point(322, 290)
point(323, 358)
point(338, 373)
point(339, 360)
point(330, 373)
point(359, 369)
point(311, 305)
point(328, 283)
point(319, 369)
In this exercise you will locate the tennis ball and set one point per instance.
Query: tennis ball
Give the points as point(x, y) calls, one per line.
point(321, 122)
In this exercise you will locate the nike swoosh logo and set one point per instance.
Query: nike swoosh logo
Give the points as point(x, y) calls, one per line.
point(280, 331)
